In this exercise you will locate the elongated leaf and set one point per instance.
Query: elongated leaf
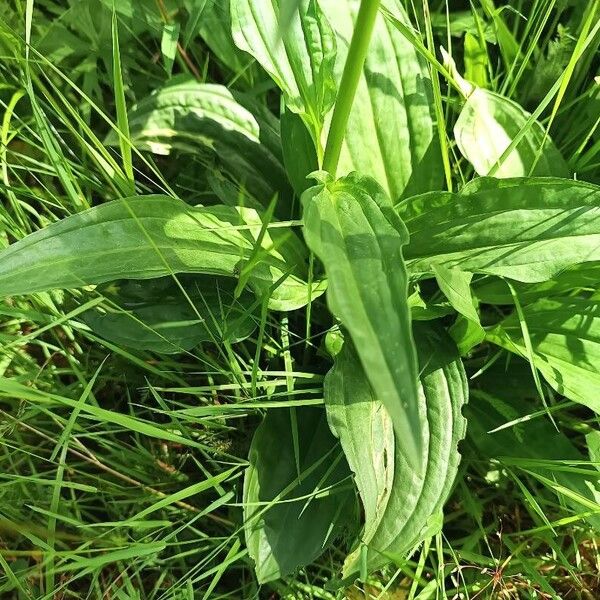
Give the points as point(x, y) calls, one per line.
point(364, 427)
point(146, 237)
point(565, 336)
point(189, 116)
point(350, 225)
point(298, 54)
point(399, 503)
point(487, 125)
point(156, 315)
point(286, 524)
point(391, 133)
point(525, 229)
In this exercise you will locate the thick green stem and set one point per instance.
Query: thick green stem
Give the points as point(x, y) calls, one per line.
point(363, 28)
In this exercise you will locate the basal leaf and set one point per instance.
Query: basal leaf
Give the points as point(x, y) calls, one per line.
point(155, 315)
point(351, 226)
point(399, 502)
point(565, 337)
point(298, 54)
point(291, 517)
point(145, 237)
point(391, 133)
point(527, 229)
point(487, 125)
point(364, 427)
point(189, 116)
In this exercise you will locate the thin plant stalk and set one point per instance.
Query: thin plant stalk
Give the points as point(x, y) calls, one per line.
point(357, 53)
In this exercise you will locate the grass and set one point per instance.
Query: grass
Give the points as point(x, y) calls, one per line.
point(122, 468)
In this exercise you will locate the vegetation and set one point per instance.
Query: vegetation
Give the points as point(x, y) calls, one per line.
point(299, 299)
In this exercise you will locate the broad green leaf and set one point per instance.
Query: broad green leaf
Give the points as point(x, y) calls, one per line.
point(528, 229)
point(156, 315)
point(466, 334)
point(533, 442)
point(291, 517)
point(391, 133)
point(299, 57)
point(363, 425)
point(351, 226)
point(487, 125)
point(565, 337)
point(398, 501)
point(145, 237)
point(189, 116)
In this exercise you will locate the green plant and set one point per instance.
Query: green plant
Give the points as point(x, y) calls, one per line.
point(342, 230)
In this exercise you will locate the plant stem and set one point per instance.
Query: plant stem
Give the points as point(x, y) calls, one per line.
point(363, 28)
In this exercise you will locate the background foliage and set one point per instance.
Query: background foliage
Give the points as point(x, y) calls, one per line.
point(131, 409)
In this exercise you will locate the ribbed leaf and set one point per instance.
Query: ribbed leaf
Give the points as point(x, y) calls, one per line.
point(298, 53)
point(287, 526)
point(363, 425)
point(565, 337)
point(391, 133)
point(351, 226)
point(146, 237)
point(487, 125)
point(399, 502)
point(190, 116)
point(527, 229)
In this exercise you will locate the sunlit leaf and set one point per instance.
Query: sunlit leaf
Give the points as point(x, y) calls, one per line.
point(145, 237)
point(487, 125)
point(296, 47)
point(527, 229)
point(238, 133)
point(398, 501)
point(352, 228)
